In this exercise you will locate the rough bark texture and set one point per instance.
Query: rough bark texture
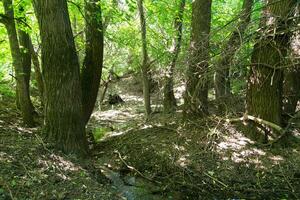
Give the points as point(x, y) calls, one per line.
point(18, 59)
point(222, 79)
point(264, 93)
point(145, 65)
point(169, 101)
point(291, 89)
point(196, 95)
point(93, 62)
point(24, 41)
point(63, 100)
point(292, 73)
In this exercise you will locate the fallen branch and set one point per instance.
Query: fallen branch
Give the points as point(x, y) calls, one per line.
point(279, 129)
point(134, 169)
point(257, 120)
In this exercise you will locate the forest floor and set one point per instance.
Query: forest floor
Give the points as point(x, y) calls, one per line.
point(161, 158)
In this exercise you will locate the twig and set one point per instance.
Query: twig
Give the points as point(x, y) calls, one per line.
point(215, 179)
point(134, 169)
point(288, 182)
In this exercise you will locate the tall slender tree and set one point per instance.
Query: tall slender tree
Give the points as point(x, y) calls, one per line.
point(264, 93)
point(169, 97)
point(20, 63)
point(93, 62)
point(145, 63)
point(196, 95)
point(64, 123)
point(222, 79)
point(37, 70)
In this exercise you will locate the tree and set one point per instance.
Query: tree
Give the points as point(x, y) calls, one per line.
point(196, 95)
point(169, 98)
point(264, 92)
point(63, 99)
point(145, 63)
point(21, 64)
point(93, 62)
point(222, 80)
point(292, 73)
point(37, 70)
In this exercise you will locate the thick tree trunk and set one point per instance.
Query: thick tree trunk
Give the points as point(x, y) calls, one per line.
point(264, 93)
point(222, 80)
point(196, 95)
point(145, 65)
point(292, 74)
point(169, 101)
point(291, 90)
point(21, 72)
point(93, 62)
point(63, 99)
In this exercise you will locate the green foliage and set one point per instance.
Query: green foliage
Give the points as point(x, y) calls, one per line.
point(100, 132)
point(122, 34)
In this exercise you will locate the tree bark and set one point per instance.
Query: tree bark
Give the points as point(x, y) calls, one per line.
point(222, 79)
point(24, 41)
point(291, 90)
point(145, 64)
point(196, 95)
point(264, 92)
point(292, 74)
point(93, 62)
point(64, 124)
point(169, 101)
point(18, 59)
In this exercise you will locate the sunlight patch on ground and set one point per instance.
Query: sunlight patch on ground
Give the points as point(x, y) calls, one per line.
point(236, 147)
point(118, 116)
point(133, 98)
point(4, 157)
point(277, 159)
point(183, 161)
point(59, 163)
point(234, 142)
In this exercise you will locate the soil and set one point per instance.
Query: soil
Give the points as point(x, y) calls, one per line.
point(164, 157)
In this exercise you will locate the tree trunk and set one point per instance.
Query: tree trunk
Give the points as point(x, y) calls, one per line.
point(196, 95)
point(264, 93)
point(292, 74)
point(145, 65)
point(21, 72)
point(222, 80)
point(37, 70)
point(24, 41)
point(291, 90)
point(63, 99)
point(93, 62)
point(169, 101)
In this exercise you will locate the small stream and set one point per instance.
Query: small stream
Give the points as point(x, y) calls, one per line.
point(133, 188)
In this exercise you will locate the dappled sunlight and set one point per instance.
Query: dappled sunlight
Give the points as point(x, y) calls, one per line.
point(183, 161)
point(117, 116)
point(132, 98)
point(4, 157)
point(234, 140)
